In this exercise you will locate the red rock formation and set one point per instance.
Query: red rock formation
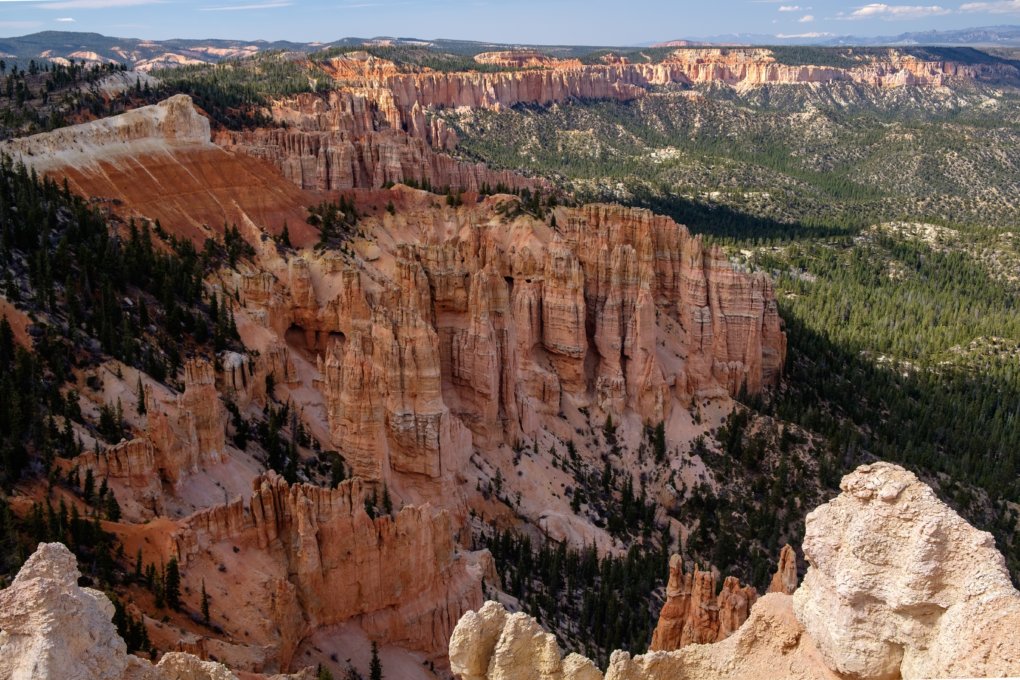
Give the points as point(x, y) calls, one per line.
point(785, 578)
point(471, 327)
point(318, 559)
point(358, 139)
point(189, 432)
point(131, 470)
point(190, 185)
point(523, 59)
point(633, 260)
point(403, 97)
point(694, 614)
point(379, 127)
point(132, 461)
point(477, 326)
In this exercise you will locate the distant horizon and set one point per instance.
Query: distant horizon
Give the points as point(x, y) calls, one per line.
point(753, 39)
point(531, 22)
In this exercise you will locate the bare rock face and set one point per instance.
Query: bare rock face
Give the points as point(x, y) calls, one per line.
point(173, 122)
point(522, 58)
point(694, 613)
point(131, 469)
point(785, 578)
point(355, 137)
point(493, 644)
point(476, 328)
point(52, 628)
point(318, 559)
point(189, 182)
point(189, 432)
point(899, 585)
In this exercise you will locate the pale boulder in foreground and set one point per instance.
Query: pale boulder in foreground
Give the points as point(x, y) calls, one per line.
point(899, 586)
point(52, 628)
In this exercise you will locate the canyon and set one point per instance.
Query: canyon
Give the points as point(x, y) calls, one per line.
point(924, 618)
point(440, 369)
point(436, 334)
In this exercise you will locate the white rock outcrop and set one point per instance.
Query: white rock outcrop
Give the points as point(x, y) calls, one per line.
point(899, 585)
point(52, 628)
point(492, 644)
point(172, 123)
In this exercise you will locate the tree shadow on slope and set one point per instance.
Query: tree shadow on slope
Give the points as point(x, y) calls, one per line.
point(949, 424)
point(722, 222)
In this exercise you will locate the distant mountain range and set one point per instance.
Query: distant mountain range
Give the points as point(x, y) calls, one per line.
point(148, 54)
point(987, 36)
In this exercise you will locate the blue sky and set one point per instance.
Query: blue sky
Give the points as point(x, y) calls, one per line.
point(600, 22)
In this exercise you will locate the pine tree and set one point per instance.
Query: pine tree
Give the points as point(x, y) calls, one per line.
point(205, 604)
point(659, 442)
point(285, 236)
point(141, 397)
point(112, 508)
point(172, 585)
point(375, 667)
point(89, 488)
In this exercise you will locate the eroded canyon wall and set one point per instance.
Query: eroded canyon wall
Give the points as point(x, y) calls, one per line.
point(378, 126)
point(477, 325)
point(355, 138)
point(303, 557)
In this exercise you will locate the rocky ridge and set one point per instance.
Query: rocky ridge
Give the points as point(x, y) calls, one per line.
point(920, 594)
point(898, 586)
point(173, 123)
point(188, 181)
point(371, 129)
point(355, 138)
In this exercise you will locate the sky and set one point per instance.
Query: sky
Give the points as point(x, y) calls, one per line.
point(577, 22)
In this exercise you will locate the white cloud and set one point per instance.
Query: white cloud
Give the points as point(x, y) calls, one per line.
point(95, 4)
point(806, 19)
point(880, 10)
point(998, 7)
point(261, 5)
point(815, 34)
point(790, 8)
point(65, 20)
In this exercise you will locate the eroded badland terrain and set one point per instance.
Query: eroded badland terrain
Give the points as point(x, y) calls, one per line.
point(307, 356)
